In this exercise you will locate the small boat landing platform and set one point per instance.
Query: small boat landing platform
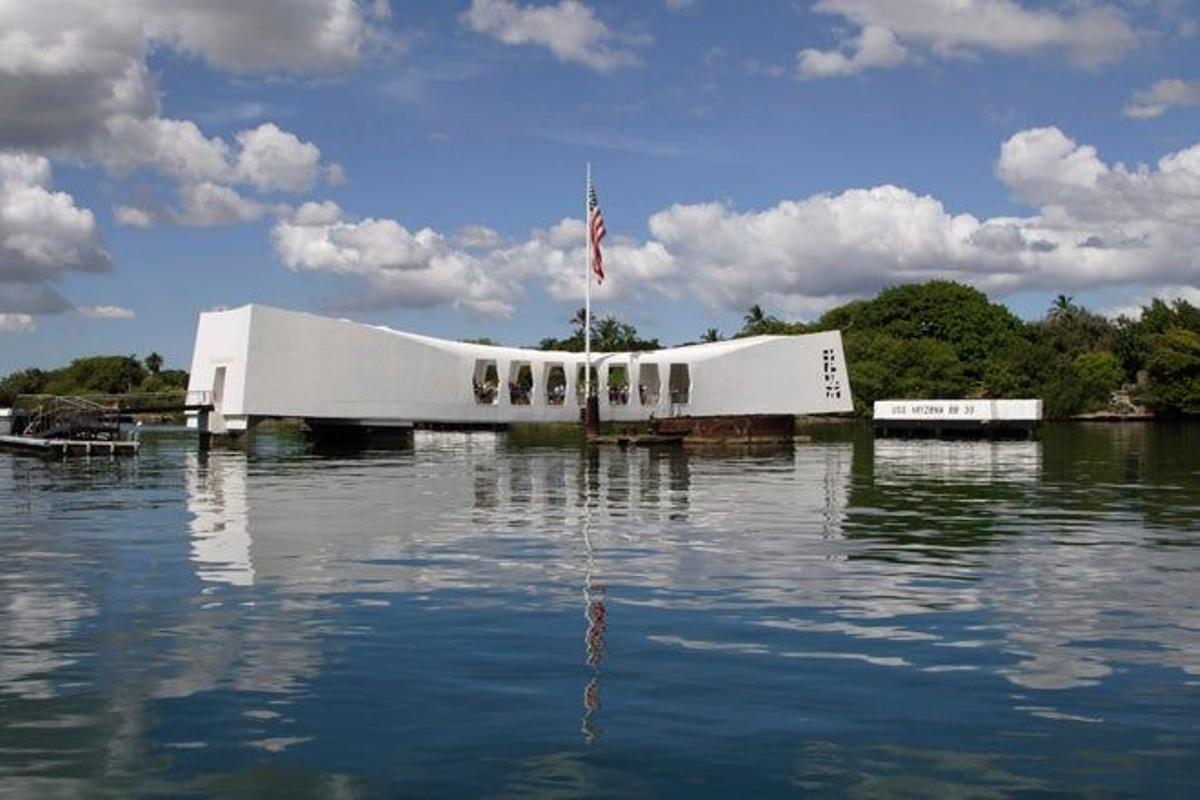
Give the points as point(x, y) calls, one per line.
point(69, 447)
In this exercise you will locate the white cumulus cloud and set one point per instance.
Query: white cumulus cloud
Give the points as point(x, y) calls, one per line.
point(263, 36)
point(274, 160)
point(1090, 34)
point(42, 231)
point(873, 47)
point(43, 234)
point(1092, 224)
point(402, 268)
point(1162, 97)
point(569, 29)
point(75, 85)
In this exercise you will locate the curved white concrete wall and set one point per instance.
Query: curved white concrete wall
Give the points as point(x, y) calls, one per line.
point(285, 364)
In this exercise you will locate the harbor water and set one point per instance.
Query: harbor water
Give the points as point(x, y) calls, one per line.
point(489, 615)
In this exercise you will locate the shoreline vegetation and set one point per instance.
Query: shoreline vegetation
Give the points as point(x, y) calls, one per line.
point(96, 375)
point(938, 339)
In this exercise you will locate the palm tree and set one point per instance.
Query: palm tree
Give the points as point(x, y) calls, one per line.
point(755, 316)
point(712, 335)
point(1063, 306)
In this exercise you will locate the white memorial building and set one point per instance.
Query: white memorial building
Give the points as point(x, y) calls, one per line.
point(257, 362)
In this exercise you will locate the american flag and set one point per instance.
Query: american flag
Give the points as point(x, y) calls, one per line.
point(596, 231)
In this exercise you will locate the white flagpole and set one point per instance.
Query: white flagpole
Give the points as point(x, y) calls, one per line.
point(587, 296)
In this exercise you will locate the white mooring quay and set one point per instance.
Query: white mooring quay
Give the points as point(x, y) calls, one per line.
point(957, 417)
point(259, 362)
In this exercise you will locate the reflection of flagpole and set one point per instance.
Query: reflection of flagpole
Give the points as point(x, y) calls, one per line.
point(596, 614)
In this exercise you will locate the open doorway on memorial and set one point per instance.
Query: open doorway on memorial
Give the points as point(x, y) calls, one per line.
point(680, 384)
point(649, 384)
point(218, 389)
point(555, 381)
point(580, 397)
point(617, 385)
point(486, 381)
point(520, 383)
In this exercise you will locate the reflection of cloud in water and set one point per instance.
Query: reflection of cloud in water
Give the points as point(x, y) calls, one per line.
point(1075, 602)
point(42, 601)
point(36, 619)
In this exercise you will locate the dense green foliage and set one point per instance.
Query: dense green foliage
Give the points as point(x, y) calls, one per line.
point(943, 339)
point(1174, 370)
point(95, 375)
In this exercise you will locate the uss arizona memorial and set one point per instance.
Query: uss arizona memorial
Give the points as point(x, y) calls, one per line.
point(257, 362)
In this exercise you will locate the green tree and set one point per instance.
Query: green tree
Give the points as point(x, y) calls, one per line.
point(757, 322)
point(154, 363)
point(1174, 367)
point(883, 366)
point(98, 375)
point(1063, 306)
point(944, 311)
point(1071, 329)
point(27, 381)
point(1136, 339)
point(711, 335)
point(1100, 374)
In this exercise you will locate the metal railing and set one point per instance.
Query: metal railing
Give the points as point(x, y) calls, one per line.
point(75, 417)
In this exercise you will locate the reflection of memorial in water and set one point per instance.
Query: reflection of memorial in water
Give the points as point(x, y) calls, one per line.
point(904, 461)
point(222, 641)
point(785, 541)
point(930, 498)
point(216, 499)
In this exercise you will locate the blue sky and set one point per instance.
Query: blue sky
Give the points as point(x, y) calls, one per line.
point(421, 164)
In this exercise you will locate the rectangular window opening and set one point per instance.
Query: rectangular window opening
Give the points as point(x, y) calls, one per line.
point(556, 384)
point(486, 382)
point(680, 384)
point(618, 385)
point(649, 384)
point(520, 383)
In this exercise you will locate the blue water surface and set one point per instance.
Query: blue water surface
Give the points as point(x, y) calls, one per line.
point(491, 615)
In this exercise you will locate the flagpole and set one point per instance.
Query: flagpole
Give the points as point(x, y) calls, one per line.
point(587, 292)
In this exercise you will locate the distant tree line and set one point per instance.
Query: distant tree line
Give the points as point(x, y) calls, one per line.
point(95, 375)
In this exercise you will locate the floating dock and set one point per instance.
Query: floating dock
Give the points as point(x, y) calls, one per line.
point(955, 419)
point(68, 447)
